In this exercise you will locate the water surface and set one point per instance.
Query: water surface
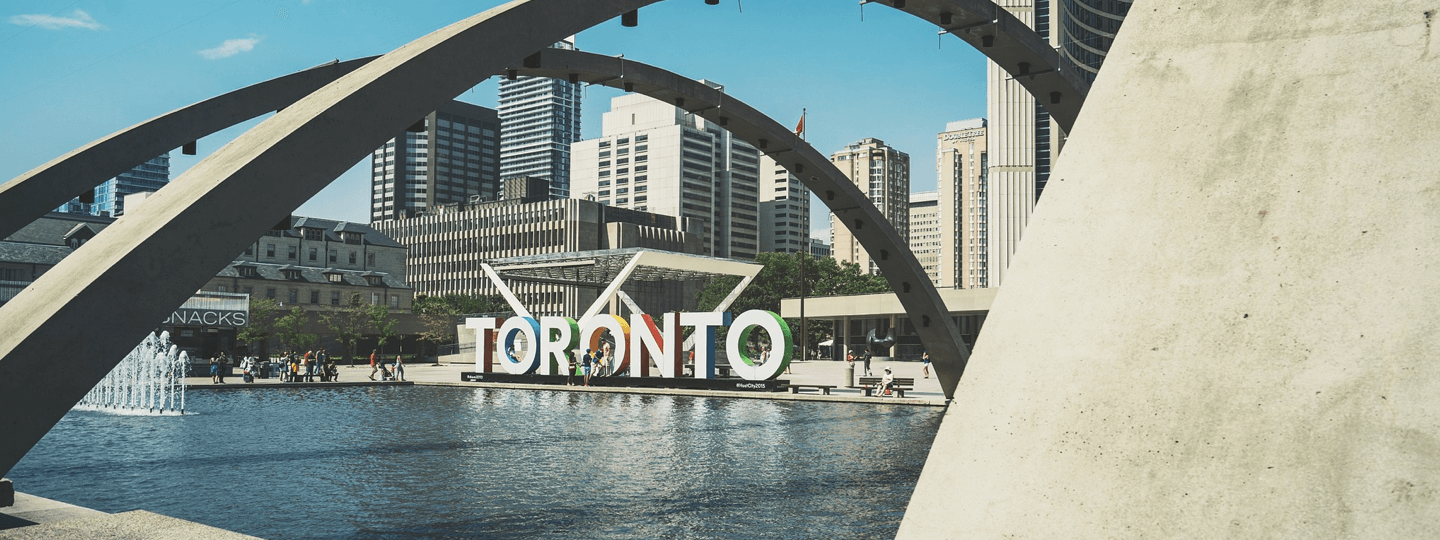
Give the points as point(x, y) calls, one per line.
point(434, 462)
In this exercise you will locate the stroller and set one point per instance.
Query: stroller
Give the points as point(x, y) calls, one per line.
point(385, 374)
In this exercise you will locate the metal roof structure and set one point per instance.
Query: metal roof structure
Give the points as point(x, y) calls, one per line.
point(601, 267)
point(609, 269)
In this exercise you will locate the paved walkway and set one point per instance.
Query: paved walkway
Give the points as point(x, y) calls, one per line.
point(926, 392)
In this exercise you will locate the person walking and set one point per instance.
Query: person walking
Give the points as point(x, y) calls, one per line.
point(866, 359)
point(374, 363)
point(399, 368)
point(224, 363)
point(925, 364)
point(215, 369)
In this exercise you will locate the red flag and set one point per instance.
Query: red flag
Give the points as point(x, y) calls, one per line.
point(800, 128)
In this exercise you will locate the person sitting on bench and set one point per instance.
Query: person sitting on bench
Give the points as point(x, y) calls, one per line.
point(887, 383)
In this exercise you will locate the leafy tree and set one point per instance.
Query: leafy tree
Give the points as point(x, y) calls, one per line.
point(781, 278)
point(349, 323)
point(383, 324)
point(263, 313)
point(437, 319)
point(291, 330)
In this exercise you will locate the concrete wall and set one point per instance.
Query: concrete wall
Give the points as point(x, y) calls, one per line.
point(1220, 322)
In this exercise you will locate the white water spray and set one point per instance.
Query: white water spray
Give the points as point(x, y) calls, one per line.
point(150, 380)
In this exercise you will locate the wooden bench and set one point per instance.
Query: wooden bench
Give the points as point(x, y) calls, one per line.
point(823, 388)
point(872, 384)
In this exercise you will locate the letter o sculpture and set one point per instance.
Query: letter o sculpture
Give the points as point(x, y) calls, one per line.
point(780, 339)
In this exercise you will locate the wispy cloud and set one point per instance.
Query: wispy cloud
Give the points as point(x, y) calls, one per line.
point(231, 47)
point(79, 19)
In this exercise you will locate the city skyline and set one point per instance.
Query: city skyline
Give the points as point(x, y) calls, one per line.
point(207, 50)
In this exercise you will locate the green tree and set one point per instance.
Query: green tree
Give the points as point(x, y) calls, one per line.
point(383, 324)
point(437, 319)
point(291, 330)
point(781, 278)
point(263, 313)
point(350, 323)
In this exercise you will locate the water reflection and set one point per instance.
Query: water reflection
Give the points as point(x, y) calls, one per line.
point(454, 462)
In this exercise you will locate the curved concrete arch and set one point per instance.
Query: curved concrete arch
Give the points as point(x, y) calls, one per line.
point(130, 275)
point(892, 253)
point(1013, 46)
point(29, 196)
point(132, 272)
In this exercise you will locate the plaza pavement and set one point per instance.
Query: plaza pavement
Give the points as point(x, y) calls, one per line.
point(926, 392)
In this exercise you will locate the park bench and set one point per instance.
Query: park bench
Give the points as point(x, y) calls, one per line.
point(872, 384)
point(823, 388)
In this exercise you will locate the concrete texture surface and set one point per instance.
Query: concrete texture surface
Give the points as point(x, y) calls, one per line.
point(1220, 322)
point(31, 510)
point(134, 525)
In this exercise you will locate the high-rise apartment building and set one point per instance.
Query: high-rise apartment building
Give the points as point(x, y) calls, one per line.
point(960, 170)
point(450, 156)
point(110, 196)
point(539, 120)
point(654, 157)
point(883, 174)
point(784, 209)
point(925, 218)
point(1023, 140)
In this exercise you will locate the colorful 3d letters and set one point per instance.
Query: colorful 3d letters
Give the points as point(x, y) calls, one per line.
point(552, 345)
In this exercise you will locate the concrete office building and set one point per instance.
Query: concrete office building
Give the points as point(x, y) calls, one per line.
point(539, 120)
point(784, 210)
point(655, 157)
point(448, 244)
point(819, 248)
point(448, 157)
point(925, 241)
point(883, 173)
point(961, 164)
point(109, 197)
point(1023, 141)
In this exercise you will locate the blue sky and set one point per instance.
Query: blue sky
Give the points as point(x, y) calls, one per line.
point(74, 71)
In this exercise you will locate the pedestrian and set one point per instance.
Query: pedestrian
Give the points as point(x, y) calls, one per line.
point(245, 364)
point(224, 363)
point(599, 363)
point(374, 364)
point(215, 369)
point(310, 365)
point(925, 364)
point(866, 359)
point(585, 366)
point(570, 369)
point(399, 368)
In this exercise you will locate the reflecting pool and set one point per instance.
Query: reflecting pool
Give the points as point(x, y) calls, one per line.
point(445, 462)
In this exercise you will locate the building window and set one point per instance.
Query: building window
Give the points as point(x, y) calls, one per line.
point(294, 296)
point(270, 250)
point(270, 293)
point(314, 297)
point(314, 254)
point(293, 251)
point(374, 298)
point(395, 301)
point(334, 278)
point(334, 298)
point(352, 257)
point(370, 259)
point(221, 289)
point(249, 250)
point(334, 256)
